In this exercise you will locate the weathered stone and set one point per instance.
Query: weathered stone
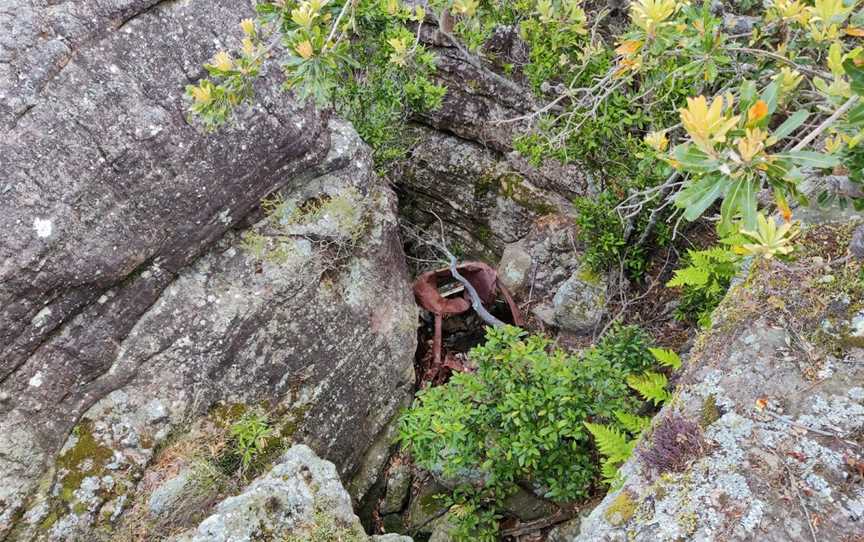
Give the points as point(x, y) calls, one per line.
point(425, 509)
point(393, 523)
point(778, 450)
point(739, 24)
point(128, 305)
point(566, 531)
point(536, 265)
point(527, 507)
point(514, 269)
point(477, 99)
point(398, 488)
point(856, 246)
point(369, 472)
point(168, 493)
point(301, 498)
point(465, 170)
point(391, 537)
point(441, 532)
point(482, 201)
point(580, 303)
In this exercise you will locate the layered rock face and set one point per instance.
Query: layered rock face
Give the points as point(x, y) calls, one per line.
point(776, 386)
point(129, 303)
point(462, 167)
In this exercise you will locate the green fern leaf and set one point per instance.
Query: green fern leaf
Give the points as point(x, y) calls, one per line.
point(611, 442)
point(609, 471)
point(689, 276)
point(667, 358)
point(633, 423)
point(651, 386)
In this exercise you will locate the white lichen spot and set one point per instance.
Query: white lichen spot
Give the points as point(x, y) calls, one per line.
point(43, 227)
point(225, 216)
point(41, 317)
point(36, 380)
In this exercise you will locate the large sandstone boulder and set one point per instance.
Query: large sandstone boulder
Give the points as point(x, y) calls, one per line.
point(763, 438)
point(130, 303)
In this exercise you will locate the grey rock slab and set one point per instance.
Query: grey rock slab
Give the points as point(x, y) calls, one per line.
point(128, 305)
point(777, 421)
point(398, 487)
point(282, 503)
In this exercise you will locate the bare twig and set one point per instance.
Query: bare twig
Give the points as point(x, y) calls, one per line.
point(781, 58)
point(558, 517)
point(793, 483)
point(336, 23)
point(476, 302)
point(786, 420)
point(655, 213)
point(826, 123)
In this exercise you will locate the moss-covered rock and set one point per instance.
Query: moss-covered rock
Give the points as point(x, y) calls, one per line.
point(300, 499)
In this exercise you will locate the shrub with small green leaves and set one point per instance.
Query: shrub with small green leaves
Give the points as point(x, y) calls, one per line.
point(625, 346)
point(520, 417)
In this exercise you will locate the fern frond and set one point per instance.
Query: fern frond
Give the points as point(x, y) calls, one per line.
point(651, 386)
point(689, 276)
point(633, 423)
point(611, 442)
point(667, 358)
point(609, 471)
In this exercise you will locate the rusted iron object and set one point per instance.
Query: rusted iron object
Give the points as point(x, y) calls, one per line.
point(485, 281)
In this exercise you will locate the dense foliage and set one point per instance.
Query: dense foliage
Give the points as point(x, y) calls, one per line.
point(673, 109)
point(520, 417)
point(704, 279)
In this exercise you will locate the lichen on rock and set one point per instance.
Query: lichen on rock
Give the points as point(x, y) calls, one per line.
point(782, 411)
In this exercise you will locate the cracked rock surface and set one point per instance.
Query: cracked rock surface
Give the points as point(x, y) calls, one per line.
point(128, 304)
point(777, 387)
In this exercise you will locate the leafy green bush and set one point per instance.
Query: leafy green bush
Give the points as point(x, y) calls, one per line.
point(704, 280)
point(520, 417)
point(625, 346)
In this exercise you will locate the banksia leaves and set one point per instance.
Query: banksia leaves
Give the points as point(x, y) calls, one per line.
point(649, 14)
point(770, 239)
point(707, 124)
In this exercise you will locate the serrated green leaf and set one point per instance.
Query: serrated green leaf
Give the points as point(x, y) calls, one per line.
point(651, 386)
point(633, 423)
point(689, 276)
point(610, 441)
point(665, 357)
